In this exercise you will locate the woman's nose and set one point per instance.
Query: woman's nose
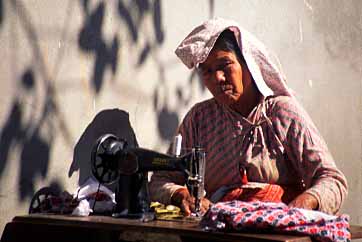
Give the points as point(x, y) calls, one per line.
point(219, 76)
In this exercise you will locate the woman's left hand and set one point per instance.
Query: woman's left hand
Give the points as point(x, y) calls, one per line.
point(304, 200)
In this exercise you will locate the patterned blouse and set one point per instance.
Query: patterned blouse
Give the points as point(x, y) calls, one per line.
point(277, 144)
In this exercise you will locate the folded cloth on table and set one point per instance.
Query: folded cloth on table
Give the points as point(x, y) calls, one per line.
point(255, 192)
point(276, 217)
point(248, 191)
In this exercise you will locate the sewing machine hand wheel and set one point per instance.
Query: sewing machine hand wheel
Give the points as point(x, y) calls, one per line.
point(39, 203)
point(104, 161)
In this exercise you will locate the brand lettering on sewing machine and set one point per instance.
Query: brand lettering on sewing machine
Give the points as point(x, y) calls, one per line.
point(159, 162)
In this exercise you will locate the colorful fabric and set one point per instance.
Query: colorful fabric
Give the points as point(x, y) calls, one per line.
point(276, 144)
point(276, 217)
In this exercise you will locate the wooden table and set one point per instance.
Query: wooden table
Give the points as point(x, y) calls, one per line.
point(41, 227)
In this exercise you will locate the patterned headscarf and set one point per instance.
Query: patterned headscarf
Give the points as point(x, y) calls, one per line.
point(195, 48)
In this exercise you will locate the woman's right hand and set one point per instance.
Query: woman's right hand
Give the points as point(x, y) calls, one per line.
point(186, 202)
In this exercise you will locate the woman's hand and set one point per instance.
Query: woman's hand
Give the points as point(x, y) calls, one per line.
point(305, 200)
point(186, 202)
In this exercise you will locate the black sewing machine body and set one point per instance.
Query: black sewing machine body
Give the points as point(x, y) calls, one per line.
point(113, 161)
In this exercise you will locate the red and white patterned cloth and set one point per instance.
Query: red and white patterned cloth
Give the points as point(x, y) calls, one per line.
point(276, 217)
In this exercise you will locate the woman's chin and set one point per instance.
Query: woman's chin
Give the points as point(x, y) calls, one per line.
point(227, 100)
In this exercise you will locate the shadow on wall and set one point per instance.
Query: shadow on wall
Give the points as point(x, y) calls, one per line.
point(1, 12)
point(111, 121)
point(168, 120)
point(90, 39)
point(33, 137)
point(132, 13)
point(30, 126)
point(23, 134)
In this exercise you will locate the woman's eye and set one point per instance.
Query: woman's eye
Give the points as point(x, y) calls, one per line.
point(224, 65)
point(227, 64)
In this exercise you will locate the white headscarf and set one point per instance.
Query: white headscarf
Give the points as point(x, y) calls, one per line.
point(195, 48)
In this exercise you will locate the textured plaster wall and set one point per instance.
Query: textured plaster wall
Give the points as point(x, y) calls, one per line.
point(71, 70)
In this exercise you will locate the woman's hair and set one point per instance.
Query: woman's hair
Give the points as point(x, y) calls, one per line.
point(227, 42)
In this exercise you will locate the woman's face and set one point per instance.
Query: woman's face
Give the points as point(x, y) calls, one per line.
point(224, 76)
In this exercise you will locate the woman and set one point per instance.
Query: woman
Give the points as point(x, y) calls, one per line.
point(252, 128)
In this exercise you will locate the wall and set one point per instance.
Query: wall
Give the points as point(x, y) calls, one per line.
point(72, 70)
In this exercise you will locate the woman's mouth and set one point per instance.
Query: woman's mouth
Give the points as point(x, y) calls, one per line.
point(226, 87)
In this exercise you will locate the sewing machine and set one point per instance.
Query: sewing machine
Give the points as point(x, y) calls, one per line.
point(113, 160)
